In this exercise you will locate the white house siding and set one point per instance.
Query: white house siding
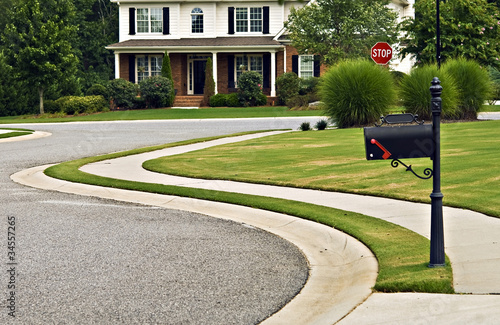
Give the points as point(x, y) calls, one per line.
point(184, 28)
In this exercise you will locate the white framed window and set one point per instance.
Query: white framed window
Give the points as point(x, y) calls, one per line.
point(148, 66)
point(149, 20)
point(248, 20)
point(196, 21)
point(244, 63)
point(306, 66)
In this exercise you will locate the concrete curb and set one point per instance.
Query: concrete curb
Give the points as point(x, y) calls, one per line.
point(342, 270)
point(32, 136)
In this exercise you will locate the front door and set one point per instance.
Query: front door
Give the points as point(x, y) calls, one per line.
point(199, 76)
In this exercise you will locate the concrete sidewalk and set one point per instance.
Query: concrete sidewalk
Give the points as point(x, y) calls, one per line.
point(471, 241)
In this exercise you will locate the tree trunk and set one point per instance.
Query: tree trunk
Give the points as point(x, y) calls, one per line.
point(40, 92)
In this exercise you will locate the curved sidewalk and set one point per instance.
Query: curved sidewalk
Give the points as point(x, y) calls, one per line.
point(471, 241)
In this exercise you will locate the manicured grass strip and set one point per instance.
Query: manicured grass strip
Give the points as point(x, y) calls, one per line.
point(402, 254)
point(162, 114)
point(334, 160)
point(490, 108)
point(16, 132)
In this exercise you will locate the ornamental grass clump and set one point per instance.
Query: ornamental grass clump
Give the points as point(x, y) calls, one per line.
point(357, 93)
point(416, 96)
point(474, 86)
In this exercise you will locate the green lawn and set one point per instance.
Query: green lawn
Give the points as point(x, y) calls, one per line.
point(334, 160)
point(402, 254)
point(161, 114)
point(15, 132)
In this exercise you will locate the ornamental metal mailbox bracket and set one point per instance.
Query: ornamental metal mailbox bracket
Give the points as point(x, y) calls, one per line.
point(400, 142)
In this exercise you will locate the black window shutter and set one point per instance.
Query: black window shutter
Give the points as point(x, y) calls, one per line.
point(230, 20)
point(317, 66)
point(265, 22)
point(230, 71)
point(131, 68)
point(131, 19)
point(295, 64)
point(266, 70)
point(166, 21)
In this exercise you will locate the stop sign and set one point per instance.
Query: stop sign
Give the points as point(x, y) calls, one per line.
point(381, 53)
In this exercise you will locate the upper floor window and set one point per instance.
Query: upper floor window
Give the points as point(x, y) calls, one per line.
point(306, 66)
point(197, 20)
point(149, 20)
point(148, 66)
point(248, 20)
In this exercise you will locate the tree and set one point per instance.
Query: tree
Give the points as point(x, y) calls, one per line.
point(339, 29)
point(166, 72)
point(38, 42)
point(209, 88)
point(469, 29)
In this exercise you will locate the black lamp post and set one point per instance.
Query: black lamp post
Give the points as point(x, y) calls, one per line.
point(438, 37)
point(437, 256)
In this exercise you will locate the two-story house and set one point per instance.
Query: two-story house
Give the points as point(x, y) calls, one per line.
point(236, 35)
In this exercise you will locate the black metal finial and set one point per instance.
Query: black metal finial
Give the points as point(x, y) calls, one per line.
point(436, 90)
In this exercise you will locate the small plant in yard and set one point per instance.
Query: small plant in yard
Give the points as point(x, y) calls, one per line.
point(250, 88)
point(121, 93)
point(156, 91)
point(218, 100)
point(287, 86)
point(321, 124)
point(474, 86)
point(305, 126)
point(357, 93)
point(209, 88)
point(416, 97)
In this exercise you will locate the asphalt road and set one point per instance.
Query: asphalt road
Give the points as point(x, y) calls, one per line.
point(83, 260)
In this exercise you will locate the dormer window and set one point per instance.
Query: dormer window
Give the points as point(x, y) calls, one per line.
point(249, 20)
point(196, 21)
point(149, 20)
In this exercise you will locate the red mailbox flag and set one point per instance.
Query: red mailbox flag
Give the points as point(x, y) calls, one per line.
point(381, 53)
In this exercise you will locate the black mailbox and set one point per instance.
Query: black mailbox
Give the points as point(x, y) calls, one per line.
point(398, 142)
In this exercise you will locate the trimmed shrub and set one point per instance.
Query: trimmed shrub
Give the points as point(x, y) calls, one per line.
point(261, 100)
point(308, 86)
point(233, 100)
point(71, 105)
point(209, 88)
point(166, 72)
point(51, 106)
point(305, 126)
point(321, 124)
point(218, 100)
point(416, 97)
point(357, 93)
point(121, 93)
point(156, 91)
point(98, 89)
point(249, 88)
point(287, 86)
point(298, 101)
point(473, 83)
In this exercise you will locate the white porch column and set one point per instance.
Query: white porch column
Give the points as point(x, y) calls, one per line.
point(117, 65)
point(214, 68)
point(273, 74)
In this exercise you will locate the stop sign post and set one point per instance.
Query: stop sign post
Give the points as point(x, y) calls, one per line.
point(381, 53)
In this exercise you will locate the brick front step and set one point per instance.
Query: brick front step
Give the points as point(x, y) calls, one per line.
point(187, 101)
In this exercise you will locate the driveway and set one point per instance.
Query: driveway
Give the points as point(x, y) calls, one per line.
point(94, 261)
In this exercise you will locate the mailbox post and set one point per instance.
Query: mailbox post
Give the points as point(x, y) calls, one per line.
point(437, 257)
point(415, 141)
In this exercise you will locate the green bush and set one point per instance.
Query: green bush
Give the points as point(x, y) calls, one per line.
point(261, 100)
point(321, 124)
point(305, 126)
point(287, 86)
point(357, 93)
point(416, 97)
point(218, 100)
point(233, 100)
point(156, 91)
point(98, 89)
point(298, 101)
point(308, 86)
point(71, 105)
point(209, 88)
point(473, 83)
point(250, 88)
point(122, 93)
